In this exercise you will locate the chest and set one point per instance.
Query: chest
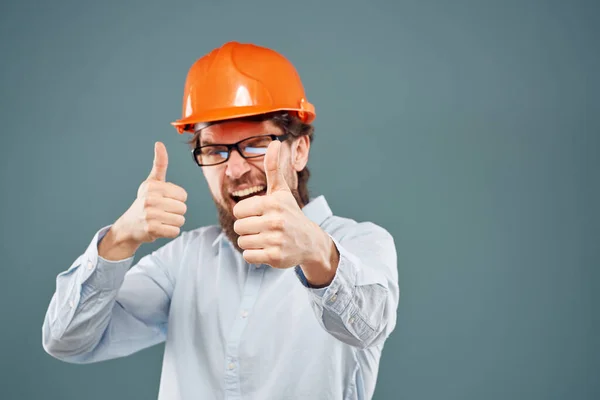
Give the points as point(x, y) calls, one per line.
point(224, 300)
point(251, 328)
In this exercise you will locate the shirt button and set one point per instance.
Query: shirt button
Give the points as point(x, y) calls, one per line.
point(230, 366)
point(90, 265)
point(351, 320)
point(71, 303)
point(244, 314)
point(333, 298)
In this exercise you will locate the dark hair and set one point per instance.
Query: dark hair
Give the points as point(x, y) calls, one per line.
point(289, 123)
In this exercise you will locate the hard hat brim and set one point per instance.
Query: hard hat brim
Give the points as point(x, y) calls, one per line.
point(306, 114)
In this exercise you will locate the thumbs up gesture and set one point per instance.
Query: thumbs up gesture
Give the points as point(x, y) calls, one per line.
point(158, 211)
point(273, 229)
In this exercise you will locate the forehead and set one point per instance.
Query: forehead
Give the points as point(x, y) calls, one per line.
point(234, 131)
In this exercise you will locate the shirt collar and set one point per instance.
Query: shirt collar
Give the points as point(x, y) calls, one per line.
point(317, 210)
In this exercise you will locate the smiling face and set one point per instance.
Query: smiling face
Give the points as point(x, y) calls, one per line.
point(241, 178)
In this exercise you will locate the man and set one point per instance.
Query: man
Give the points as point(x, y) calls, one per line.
point(282, 300)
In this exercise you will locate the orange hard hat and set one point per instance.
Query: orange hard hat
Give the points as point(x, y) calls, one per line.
point(240, 80)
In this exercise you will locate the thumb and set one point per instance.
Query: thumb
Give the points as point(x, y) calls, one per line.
point(273, 169)
point(161, 160)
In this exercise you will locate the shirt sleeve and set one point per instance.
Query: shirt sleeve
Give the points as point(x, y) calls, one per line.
point(104, 309)
point(359, 306)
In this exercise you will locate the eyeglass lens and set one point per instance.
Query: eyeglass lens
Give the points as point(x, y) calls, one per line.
point(250, 148)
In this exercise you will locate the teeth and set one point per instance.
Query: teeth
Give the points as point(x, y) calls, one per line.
point(246, 192)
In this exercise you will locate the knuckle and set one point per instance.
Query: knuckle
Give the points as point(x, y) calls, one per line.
point(178, 191)
point(274, 254)
point(272, 203)
point(149, 201)
point(154, 186)
point(150, 228)
point(150, 186)
point(277, 224)
point(148, 214)
point(278, 238)
point(279, 204)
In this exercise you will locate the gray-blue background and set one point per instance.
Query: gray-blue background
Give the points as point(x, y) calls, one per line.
point(469, 129)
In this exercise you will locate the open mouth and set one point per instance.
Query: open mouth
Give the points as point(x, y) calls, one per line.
point(243, 194)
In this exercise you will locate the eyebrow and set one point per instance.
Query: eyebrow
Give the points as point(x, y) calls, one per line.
point(209, 141)
point(204, 141)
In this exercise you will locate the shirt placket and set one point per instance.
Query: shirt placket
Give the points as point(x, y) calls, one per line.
point(232, 364)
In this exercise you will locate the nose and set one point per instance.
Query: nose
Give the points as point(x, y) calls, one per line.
point(237, 166)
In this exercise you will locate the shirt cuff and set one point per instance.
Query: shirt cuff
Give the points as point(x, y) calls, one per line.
point(316, 291)
point(98, 272)
point(338, 294)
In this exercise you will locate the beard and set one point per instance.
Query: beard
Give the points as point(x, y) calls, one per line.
point(225, 211)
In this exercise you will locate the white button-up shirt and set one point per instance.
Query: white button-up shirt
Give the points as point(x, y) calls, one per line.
point(234, 330)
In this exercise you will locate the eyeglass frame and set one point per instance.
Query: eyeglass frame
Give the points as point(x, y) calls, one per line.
point(232, 146)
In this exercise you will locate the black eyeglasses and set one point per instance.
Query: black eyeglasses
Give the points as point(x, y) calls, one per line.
point(252, 147)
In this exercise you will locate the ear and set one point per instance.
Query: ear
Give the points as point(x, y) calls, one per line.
point(300, 150)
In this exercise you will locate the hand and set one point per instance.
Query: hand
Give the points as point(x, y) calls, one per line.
point(158, 211)
point(273, 229)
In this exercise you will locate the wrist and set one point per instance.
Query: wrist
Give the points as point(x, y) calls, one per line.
point(321, 265)
point(116, 245)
